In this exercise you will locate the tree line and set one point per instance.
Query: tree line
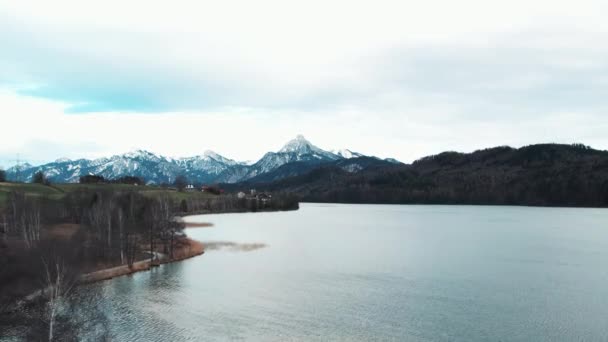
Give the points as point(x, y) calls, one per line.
point(47, 243)
point(114, 228)
point(231, 203)
point(97, 179)
point(537, 175)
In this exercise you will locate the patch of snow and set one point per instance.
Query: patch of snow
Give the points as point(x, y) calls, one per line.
point(347, 154)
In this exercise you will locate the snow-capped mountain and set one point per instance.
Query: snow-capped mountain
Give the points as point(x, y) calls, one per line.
point(347, 154)
point(302, 148)
point(296, 150)
point(205, 168)
point(209, 162)
point(209, 167)
point(151, 167)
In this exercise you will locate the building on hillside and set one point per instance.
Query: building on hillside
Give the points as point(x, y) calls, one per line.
point(190, 187)
point(241, 195)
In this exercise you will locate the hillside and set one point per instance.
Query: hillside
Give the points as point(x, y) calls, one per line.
point(60, 191)
point(540, 175)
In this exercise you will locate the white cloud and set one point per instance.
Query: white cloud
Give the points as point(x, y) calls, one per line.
point(391, 78)
point(40, 131)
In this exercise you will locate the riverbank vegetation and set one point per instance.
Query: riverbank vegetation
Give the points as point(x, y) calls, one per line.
point(53, 237)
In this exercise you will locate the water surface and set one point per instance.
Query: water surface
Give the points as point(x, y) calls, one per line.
point(376, 272)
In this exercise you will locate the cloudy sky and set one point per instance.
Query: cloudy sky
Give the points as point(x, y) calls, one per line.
point(399, 79)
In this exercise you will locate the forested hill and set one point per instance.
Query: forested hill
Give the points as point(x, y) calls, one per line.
point(539, 175)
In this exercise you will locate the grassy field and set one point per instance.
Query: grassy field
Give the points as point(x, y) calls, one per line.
point(68, 187)
point(176, 195)
point(34, 189)
point(57, 191)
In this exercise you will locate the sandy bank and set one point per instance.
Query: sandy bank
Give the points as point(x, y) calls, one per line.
point(186, 224)
point(188, 248)
point(198, 224)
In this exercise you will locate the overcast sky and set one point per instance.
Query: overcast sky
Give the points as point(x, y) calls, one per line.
point(399, 79)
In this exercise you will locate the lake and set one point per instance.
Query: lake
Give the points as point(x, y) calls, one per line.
point(376, 272)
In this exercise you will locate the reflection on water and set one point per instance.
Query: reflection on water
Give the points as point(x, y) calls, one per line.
point(372, 272)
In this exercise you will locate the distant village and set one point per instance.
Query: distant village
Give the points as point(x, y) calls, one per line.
point(253, 194)
point(262, 197)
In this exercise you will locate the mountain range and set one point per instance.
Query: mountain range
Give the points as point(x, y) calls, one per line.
point(538, 175)
point(297, 156)
point(542, 174)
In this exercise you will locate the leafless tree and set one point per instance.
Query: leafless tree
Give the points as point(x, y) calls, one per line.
point(4, 230)
point(24, 218)
point(121, 224)
point(31, 225)
point(59, 282)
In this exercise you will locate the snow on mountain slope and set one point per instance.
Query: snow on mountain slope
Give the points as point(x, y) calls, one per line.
point(209, 167)
point(210, 162)
point(302, 147)
point(298, 149)
point(151, 167)
point(347, 154)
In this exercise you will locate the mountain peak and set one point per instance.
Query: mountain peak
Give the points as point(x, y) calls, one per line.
point(140, 154)
point(299, 145)
point(137, 153)
point(211, 154)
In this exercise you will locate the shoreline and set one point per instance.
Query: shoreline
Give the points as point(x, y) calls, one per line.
point(233, 211)
point(189, 225)
point(192, 249)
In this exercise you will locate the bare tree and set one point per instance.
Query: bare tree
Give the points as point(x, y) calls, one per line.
point(109, 207)
point(58, 282)
point(121, 224)
point(163, 220)
point(4, 230)
point(24, 218)
point(56, 312)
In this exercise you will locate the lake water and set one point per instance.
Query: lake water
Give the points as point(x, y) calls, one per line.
point(377, 272)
